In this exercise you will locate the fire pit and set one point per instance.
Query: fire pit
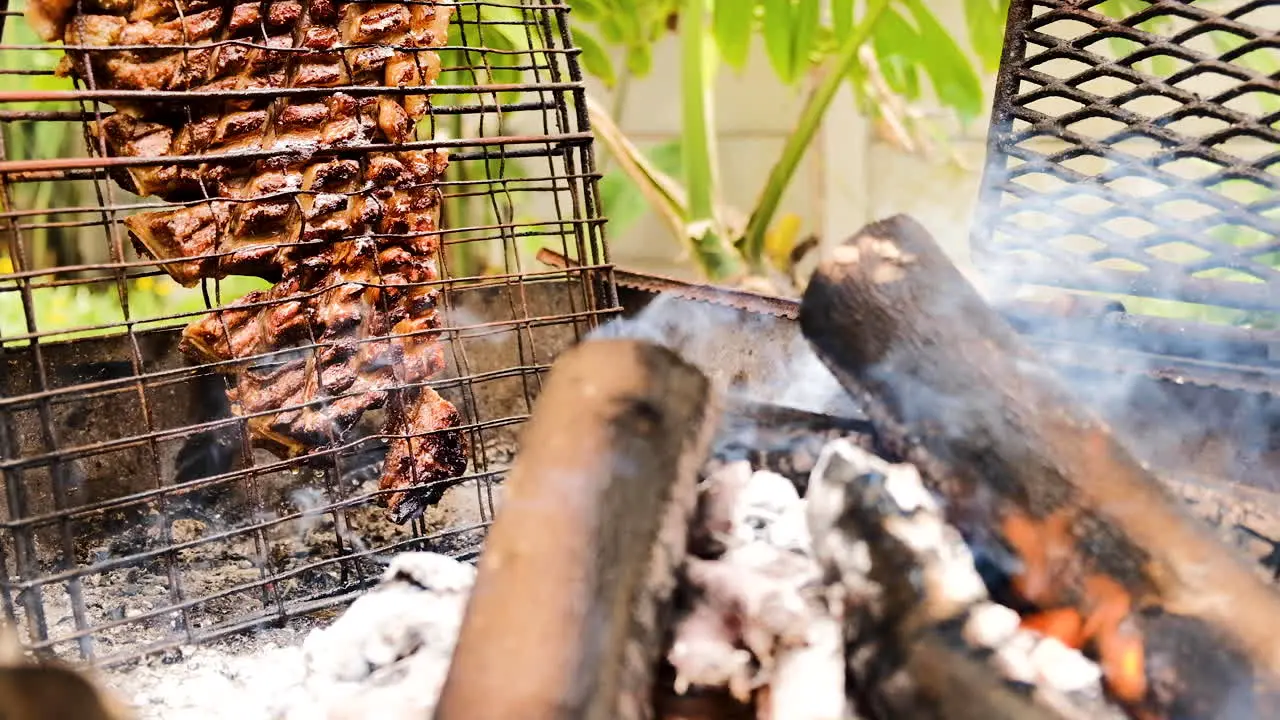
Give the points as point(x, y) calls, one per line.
point(979, 545)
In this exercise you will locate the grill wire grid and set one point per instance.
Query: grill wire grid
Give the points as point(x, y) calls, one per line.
point(100, 561)
point(1132, 155)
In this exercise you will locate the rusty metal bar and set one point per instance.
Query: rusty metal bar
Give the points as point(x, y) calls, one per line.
point(35, 96)
point(16, 166)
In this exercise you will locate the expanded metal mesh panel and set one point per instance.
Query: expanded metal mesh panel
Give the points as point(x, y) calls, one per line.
point(1133, 152)
point(173, 474)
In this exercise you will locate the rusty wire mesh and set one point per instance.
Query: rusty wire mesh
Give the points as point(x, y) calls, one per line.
point(1133, 154)
point(136, 517)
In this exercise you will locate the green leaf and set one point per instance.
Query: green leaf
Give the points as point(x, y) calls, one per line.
point(595, 59)
point(778, 38)
point(640, 60)
point(986, 19)
point(587, 11)
point(668, 157)
point(628, 15)
point(733, 20)
point(623, 202)
point(611, 28)
point(950, 72)
point(807, 16)
point(842, 17)
point(896, 42)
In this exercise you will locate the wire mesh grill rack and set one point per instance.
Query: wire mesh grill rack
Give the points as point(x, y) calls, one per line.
point(1133, 155)
point(137, 515)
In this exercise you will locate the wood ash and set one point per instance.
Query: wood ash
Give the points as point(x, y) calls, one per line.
point(388, 651)
point(778, 592)
point(786, 610)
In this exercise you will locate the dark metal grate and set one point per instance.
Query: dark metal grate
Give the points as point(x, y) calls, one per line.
point(1133, 154)
point(134, 518)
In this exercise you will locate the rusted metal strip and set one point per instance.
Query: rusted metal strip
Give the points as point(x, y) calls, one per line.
point(89, 163)
point(657, 284)
point(33, 96)
point(1163, 367)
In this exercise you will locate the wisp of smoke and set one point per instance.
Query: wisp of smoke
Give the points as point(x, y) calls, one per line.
point(1152, 422)
point(754, 357)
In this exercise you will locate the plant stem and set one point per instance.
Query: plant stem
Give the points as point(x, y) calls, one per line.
point(621, 92)
point(699, 63)
point(842, 64)
point(667, 198)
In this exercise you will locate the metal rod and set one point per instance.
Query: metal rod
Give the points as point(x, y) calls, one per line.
point(51, 164)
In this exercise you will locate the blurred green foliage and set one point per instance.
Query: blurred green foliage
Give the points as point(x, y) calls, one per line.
point(86, 310)
point(808, 43)
point(36, 140)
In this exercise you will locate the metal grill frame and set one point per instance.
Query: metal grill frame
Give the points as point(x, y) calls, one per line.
point(533, 305)
point(1239, 352)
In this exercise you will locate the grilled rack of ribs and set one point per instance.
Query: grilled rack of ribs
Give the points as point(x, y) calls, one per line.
point(262, 188)
point(242, 204)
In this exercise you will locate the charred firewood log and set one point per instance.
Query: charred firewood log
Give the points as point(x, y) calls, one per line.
point(572, 598)
point(923, 638)
point(1094, 541)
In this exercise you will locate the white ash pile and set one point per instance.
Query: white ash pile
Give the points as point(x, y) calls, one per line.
point(390, 650)
point(752, 620)
point(784, 597)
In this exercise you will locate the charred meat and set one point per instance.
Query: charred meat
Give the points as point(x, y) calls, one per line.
point(350, 239)
point(427, 450)
point(339, 333)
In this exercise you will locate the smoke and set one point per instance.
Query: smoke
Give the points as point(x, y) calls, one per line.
point(1171, 425)
point(311, 505)
point(752, 357)
point(473, 326)
point(1108, 346)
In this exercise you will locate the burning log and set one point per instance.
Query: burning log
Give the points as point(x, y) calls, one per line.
point(917, 614)
point(566, 620)
point(1088, 534)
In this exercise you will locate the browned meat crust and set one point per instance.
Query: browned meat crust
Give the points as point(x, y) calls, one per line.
point(342, 330)
point(351, 243)
point(323, 346)
point(428, 449)
point(230, 45)
point(262, 237)
point(248, 202)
